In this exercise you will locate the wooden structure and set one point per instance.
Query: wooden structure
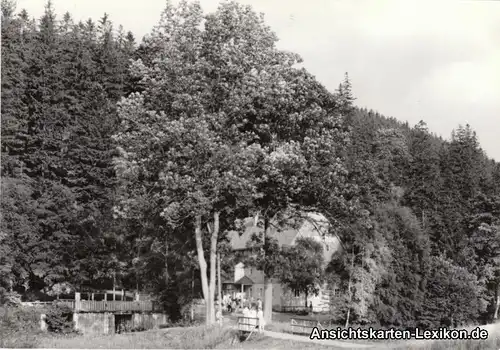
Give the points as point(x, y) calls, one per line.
point(247, 325)
point(294, 308)
point(105, 305)
point(109, 306)
point(304, 325)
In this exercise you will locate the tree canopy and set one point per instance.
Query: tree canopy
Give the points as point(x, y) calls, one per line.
point(126, 164)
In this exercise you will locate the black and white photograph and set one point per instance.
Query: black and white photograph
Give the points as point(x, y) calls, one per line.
point(250, 174)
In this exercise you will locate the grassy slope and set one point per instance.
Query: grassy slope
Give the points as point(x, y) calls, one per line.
point(189, 338)
point(19, 329)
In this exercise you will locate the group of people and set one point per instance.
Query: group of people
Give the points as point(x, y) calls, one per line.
point(255, 312)
point(235, 303)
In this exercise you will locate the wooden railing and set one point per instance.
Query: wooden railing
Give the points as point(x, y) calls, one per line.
point(294, 308)
point(304, 325)
point(109, 306)
point(247, 325)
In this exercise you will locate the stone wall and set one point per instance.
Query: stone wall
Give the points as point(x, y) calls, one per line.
point(104, 323)
point(148, 321)
point(95, 323)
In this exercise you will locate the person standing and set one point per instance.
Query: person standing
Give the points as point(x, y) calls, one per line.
point(252, 314)
point(218, 316)
point(246, 311)
point(262, 321)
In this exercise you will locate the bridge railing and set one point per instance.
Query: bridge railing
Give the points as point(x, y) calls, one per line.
point(105, 306)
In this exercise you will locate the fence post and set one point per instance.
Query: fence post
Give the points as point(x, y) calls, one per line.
point(77, 301)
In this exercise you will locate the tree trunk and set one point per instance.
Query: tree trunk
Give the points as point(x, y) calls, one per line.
point(497, 302)
point(192, 295)
point(305, 301)
point(203, 267)
point(166, 263)
point(268, 299)
point(268, 284)
point(213, 266)
point(347, 317)
point(137, 266)
point(219, 284)
point(349, 291)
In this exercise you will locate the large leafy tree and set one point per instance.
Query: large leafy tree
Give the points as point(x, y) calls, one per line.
point(303, 267)
point(444, 280)
point(222, 125)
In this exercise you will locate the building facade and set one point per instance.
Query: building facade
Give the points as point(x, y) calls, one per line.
point(248, 282)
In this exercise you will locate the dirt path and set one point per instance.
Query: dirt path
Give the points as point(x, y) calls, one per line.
point(491, 328)
point(336, 343)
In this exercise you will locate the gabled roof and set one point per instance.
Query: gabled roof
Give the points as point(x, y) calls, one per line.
point(285, 235)
point(314, 225)
point(245, 281)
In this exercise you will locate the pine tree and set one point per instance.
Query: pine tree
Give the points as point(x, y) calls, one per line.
point(423, 177)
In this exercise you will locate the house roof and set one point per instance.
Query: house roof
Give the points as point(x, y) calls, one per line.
point(239, 242)
point(244, 280)
point(313, 225)
point(285, 235)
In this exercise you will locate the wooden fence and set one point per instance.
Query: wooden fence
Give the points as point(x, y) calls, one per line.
point(304, 325)
point(110, 306)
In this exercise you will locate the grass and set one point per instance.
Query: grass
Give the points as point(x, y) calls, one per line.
point(175, 338)
point(490, 344)
point(223, 338)
point(19, 329)
point(189, 338)
point(259, 341)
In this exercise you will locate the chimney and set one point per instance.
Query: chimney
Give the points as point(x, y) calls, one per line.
point(256, 219)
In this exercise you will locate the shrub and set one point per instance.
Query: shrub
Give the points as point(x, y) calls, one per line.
point(59, 319)
point(19, 327)
point(138, 329)
point(204, 337)
point(302, 312)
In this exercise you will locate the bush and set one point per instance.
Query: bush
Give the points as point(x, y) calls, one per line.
point(138, 329)
point(19, 327)
point(303, 312)
point(59, 319)
point(206, 337)
point(8, 299)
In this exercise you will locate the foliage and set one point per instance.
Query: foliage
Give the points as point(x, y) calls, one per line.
point(56, 149)
point(59, 319)
point(452, 295)
point(19, 327)
point(302, 268)
point(133, 162)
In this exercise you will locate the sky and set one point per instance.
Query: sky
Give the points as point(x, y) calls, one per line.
point(437, 61)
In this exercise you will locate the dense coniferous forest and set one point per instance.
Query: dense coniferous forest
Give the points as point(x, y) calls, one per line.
point(129, 161)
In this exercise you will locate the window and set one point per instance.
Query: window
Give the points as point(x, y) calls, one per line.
point(297, 293)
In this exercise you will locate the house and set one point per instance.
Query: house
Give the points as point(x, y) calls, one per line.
point(248, 282)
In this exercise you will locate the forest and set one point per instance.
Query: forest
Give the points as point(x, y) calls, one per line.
point(129, 161)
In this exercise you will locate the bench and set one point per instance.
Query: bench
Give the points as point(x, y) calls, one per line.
point(291, 309)
point(247, 325)
point(304, 325)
